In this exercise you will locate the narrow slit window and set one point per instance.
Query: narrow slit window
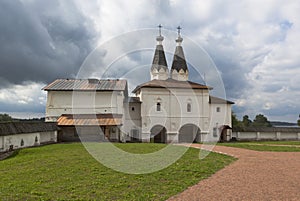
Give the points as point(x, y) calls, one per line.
point(189, 107)
point(158, 107)
point(218, 109)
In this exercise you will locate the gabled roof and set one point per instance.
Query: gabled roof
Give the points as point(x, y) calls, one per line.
point(159, 59)
point(86, 85)
point(13, 128)
point(171, 83)
point(217, 100)
point(179, 61)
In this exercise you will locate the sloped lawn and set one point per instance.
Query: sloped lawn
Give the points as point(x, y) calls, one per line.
point(68, 172)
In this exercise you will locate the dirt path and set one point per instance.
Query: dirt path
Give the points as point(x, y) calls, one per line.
point(254, 176)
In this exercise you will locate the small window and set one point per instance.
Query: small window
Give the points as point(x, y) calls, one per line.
point(22, 143)
point(188, 107)
point(218, 109)
point(132, 109)
point(215, 134)
point(158, 107)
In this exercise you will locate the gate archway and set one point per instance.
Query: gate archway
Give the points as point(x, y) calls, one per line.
point(189, 133)
point(158, 134)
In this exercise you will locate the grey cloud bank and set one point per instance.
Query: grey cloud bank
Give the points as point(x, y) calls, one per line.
point(254, 45)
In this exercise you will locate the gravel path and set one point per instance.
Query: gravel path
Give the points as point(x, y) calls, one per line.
point(254, 176)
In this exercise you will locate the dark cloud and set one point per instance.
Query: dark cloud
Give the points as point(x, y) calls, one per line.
point(42, 40)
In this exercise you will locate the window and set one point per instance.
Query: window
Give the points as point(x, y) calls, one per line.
point(218, 109)
point(22, 143)
point(188, 107)
point(132, 109)
point(215, 134)
point(158, 107)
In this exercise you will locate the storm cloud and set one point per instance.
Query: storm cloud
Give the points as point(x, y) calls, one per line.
point(42, 40)
point(254, 45)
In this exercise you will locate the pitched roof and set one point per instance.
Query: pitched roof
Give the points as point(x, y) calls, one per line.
point(13, 128)
point(268, 129)
point(86, 85)
point(159, 59)
point(134, 100)
point(179, 61)
point(90, 120)
point(217, 100)
point(171, 83)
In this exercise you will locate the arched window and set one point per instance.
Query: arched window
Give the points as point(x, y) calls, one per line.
point(158, 107)
point(189, 107)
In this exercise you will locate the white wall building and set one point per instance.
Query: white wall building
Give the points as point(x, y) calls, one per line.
point(168, 108)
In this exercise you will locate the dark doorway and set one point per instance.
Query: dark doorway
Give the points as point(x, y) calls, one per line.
point(158, 134)
point(189, 133)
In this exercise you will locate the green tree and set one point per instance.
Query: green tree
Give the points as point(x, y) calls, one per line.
point(5, 118)
point(246, 121)
point(261, 121)
point(298, 121)
point(236, 124)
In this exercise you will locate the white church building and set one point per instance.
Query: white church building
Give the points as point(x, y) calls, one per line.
point(167, 109)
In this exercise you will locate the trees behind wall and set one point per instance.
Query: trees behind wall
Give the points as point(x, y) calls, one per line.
point(259, 121)
point(5, 118)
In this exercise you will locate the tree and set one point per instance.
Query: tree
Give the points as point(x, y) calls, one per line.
point(236, 124)
point(299, 120)
point(261, 121)
point(5, 118)
point(246, 121)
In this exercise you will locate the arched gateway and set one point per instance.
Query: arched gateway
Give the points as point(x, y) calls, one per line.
point(189, 133)
point(158, 134)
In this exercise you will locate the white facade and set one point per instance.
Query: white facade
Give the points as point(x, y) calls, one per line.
point(167, 109)
point(83, 102)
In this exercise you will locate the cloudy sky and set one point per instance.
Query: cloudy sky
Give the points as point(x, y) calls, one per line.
point(254, 45)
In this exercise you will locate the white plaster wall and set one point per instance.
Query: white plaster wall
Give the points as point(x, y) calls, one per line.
point(1, 143)
point(50, 136)
point(83, 102)
point(28, 138)
point(132, 120)
point(265, 135)
point(268, 135)
point(15, 140)
point(289, 136)
point(173, 114)
point(218, 119)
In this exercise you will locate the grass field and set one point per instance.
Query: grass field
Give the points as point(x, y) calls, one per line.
point(68, 172)
point(277, 146)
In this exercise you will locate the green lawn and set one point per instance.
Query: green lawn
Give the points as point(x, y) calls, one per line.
point(266, 146)
point(278, 142)
point(68, 172)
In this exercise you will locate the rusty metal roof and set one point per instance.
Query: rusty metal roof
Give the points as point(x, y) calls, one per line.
point(90, 120)
point(86, 85)
point(171, 83)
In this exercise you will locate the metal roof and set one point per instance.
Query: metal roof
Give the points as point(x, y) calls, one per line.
point(159, 59)
point(179, 61)
point(217, 100)
point(171, 83)
point(90, 120)
point(13, 128)
point(86, 85)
